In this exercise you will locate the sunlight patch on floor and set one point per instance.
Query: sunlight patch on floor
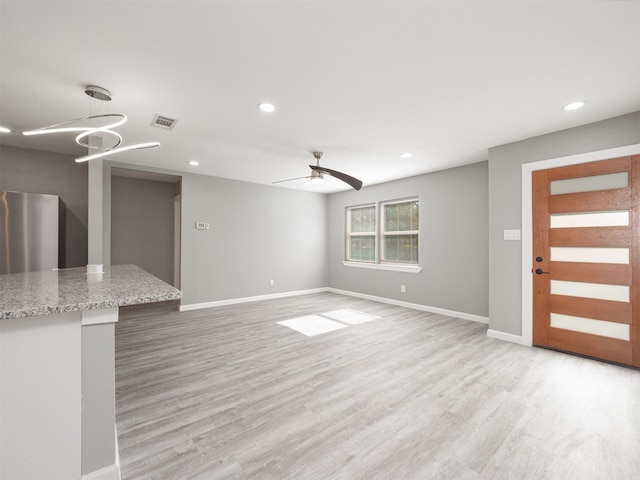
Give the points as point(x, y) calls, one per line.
point(311, 325)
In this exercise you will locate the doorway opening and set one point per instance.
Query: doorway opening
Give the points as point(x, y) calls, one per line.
point(145, 222)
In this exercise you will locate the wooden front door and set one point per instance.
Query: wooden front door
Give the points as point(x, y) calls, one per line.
point(586, 233)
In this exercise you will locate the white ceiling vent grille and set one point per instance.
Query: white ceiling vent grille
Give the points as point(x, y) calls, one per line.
point(165, 123)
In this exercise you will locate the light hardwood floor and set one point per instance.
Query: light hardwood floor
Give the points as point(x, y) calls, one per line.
point(226, 393)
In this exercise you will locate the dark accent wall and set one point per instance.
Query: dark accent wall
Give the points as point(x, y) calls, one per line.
point(36, 171)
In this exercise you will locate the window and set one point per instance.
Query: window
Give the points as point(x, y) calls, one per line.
point(361, 239)
point(400, 232)
point(383, 233)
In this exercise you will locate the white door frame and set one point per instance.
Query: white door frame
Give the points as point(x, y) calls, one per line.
point(527, 221)
point(177, 238)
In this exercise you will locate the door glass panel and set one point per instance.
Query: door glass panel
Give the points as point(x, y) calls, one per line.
point(592, 219)
point(590, 184)
point(588, 325)
point(618, 293)
point(590, 255)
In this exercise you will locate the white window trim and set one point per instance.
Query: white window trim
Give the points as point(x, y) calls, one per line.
point(392, 267)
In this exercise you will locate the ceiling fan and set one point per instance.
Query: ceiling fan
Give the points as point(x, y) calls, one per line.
point(317, 173)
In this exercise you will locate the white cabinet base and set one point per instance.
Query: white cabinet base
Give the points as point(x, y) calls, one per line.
point(40, 397)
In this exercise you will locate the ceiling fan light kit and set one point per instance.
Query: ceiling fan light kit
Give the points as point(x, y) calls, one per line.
point(104, 95)
point(316, 177)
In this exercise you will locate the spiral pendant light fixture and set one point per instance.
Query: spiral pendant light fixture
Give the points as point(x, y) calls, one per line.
point(113, 120)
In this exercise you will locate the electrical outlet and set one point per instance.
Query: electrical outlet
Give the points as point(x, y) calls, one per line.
point(403, 289)
point(272, 282)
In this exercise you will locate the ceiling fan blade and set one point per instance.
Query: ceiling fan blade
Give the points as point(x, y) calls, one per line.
point(348, 179)
point(290, 179)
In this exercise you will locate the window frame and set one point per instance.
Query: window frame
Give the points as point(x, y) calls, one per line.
point(379, 263)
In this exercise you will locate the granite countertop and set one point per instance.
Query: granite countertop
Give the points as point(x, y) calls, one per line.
point(73, 289)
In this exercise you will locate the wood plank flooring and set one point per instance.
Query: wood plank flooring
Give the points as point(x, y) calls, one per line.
point(226, 393)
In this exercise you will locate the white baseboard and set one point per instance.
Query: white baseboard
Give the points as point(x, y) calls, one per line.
point(415, 306)
point(112, 472)
point(233, 301)
point(117, 451)
point(507, 337)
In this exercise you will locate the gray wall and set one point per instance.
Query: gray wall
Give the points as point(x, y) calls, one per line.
point(258, 233)
point(35, 171)
point(142, 225)
point(453, 241)
point(505, 279)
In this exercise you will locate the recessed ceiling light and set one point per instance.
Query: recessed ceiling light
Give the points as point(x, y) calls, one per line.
point(195, 163)
point(266, 107)
point(574, 105)
point(4, 130)
point(406, 155)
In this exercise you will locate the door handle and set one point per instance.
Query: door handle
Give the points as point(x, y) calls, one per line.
point(539, 271)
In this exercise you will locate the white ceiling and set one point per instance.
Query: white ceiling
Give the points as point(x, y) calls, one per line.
point(363, 81)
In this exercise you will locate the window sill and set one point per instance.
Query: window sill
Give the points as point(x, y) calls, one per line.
point(384, 266)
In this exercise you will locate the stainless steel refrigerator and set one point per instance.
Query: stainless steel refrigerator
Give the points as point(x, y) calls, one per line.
point(31, 232)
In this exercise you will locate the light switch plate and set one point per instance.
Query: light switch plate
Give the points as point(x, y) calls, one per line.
point(512, 234)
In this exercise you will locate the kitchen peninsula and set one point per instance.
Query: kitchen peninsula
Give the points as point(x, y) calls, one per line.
point(57, 398)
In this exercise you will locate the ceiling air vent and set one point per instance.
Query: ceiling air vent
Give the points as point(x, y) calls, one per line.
point(165, 123)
